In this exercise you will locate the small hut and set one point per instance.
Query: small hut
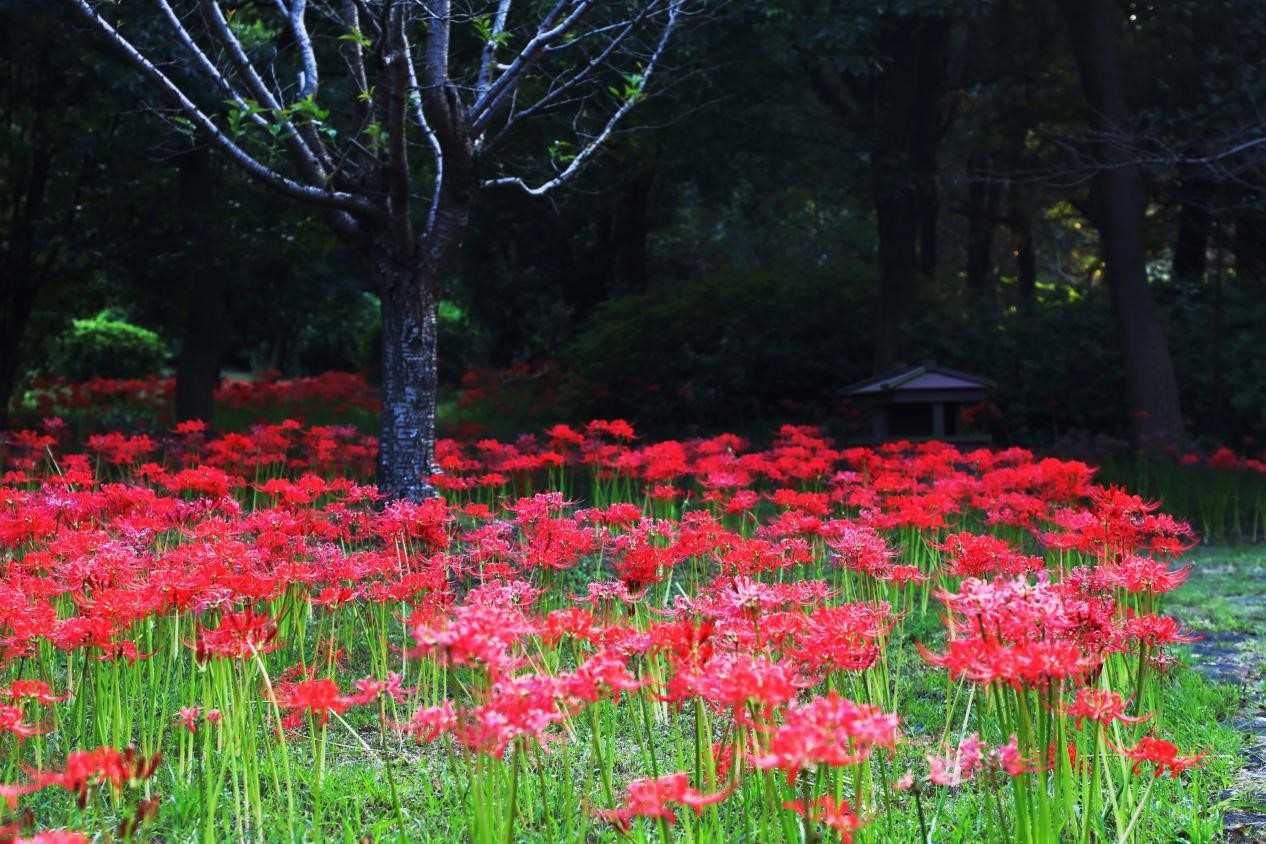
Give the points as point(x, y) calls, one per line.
point(921, 402)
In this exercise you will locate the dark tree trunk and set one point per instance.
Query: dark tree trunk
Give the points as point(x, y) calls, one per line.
point(905, 109)
point(898, 229)
point(1025, 261)
point(982, 213)
point(16, 302)
point(198, 367)
point(406, 444)
point(1191, 245)
point(1118, 203)
point(1250, 248)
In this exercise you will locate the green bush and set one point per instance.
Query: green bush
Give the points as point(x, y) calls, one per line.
point(107, 346)
point(727, 349)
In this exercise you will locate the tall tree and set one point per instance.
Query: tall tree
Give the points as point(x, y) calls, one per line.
point(475, 77)
point(1117, 207)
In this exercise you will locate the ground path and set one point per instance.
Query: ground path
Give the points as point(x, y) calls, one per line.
point(1225, 601)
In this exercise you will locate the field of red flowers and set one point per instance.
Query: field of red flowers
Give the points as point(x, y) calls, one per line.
point(590, 638)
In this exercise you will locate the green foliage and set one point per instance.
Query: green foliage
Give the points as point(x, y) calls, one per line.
point(727, 348)
point(107, 346)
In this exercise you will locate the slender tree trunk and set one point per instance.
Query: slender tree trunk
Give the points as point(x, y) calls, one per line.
point(1118, 201)
point(1025, 261)
point(982, 211)
point(198, 367)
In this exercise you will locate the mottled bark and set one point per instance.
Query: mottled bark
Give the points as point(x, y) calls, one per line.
point(406, 443)
point(1118, 202)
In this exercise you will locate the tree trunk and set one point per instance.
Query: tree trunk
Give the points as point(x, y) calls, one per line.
point(898, 228)
point(406, 444)
point(198, 367)
point(1192, 243)
point(905, 110)
point(982, 211)
point(16, 303)
point(1118, 203)
point(1250, 248)
point(1025, 261)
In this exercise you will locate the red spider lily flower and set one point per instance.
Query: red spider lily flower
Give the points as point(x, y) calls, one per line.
point(1139, 574)
point(36, 690)
point(1157, 631)
point(1162, 754)
point(734, 680)
point(239, 636)
point(838, 816)
point(188, 717)
point(652, 798)
point(1102, 707)
point(970, 555)
point(828, 730)
point(429, 723)
point(11, 722)
point(368, 689)
point(1008, 758)
point(961, 766)
point(319, 697)
point(85, 769)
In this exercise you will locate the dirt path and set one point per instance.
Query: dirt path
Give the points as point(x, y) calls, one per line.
point(1230, 598)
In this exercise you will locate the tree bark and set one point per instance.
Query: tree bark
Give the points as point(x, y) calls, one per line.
point(198, 367)
point(1118, 203)
point(1025, 260)
point(15, 312)
point(406, 444)
point(982, 212)
point(1250, 248)
point(905, 110)
point(1192, 242)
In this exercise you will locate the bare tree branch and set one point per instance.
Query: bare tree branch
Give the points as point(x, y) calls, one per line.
point(322, 196)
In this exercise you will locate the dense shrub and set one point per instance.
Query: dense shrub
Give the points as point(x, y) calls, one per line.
point(107, 346)
point(727, 349)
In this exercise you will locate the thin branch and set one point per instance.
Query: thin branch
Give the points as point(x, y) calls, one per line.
point(322, 196)
point(596, 142)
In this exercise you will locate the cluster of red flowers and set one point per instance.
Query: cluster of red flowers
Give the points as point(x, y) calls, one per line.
point(766, 580)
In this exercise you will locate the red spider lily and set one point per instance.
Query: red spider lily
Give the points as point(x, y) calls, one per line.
point(1160, 753)
point(733, 681)
point(957, 769)
point(319, 697)
point(1140, 574)
point(826, 810)
point(653, 798)
point(429, 723)
point(11, 722)
point(972, 555)
point(828, 730)
point(1102, 707)
point(239, 636)
point(188, 717)
point(85, 769)
point(368, 689)
point(36, 690)
point(1157, 631)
